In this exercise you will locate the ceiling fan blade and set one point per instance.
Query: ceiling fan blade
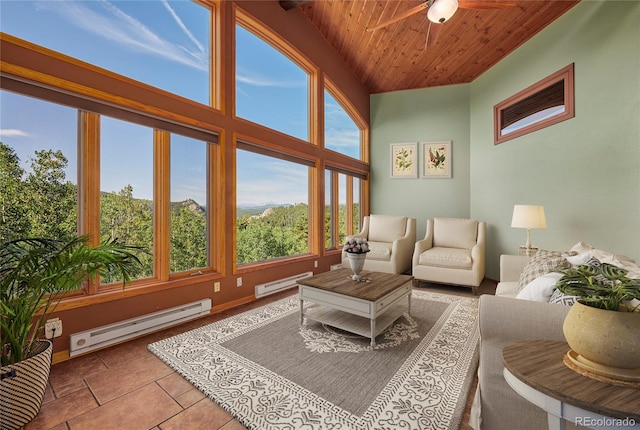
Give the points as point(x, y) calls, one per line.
point(433, 32)
point(403, 15)
point(486, 4)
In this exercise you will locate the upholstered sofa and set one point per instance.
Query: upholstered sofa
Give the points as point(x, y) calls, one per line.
point(452, 252)
point(391, 239)
point(506, 318)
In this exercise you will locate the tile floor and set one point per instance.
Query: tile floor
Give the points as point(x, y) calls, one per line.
point(127, 387)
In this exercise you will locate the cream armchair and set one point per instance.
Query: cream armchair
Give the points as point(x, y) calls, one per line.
point(391, 240)
point(452, 252)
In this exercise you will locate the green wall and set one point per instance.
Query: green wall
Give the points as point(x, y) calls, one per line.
point(585, 171)
point(420, 116)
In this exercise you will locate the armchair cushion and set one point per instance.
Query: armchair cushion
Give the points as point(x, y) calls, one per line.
point(380, 251)
point(455, 233)
point(447, 257)
point(386, 228)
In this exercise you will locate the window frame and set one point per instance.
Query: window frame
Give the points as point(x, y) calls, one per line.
point(565, 75)
point(35, 71)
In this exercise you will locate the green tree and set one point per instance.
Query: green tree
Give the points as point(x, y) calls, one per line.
point(128, 220)
point(14, 221)
point(188, 237)
point(51, 199)
point(277, 232)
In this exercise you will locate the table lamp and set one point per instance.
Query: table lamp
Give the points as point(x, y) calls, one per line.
point(528, 216)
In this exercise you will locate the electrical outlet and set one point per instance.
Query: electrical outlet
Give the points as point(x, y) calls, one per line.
point(239, 281)
point(216, 287)
point(315, 263)
point(53, 328)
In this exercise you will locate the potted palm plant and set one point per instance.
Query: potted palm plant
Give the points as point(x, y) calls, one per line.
point(35, 274)
point(603, 326)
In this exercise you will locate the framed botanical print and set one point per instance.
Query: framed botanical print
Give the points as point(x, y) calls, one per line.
point(404, 160)
point(436, 159)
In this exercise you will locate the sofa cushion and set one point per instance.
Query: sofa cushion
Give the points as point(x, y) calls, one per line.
point(541, 263)
point(386, 228)
point(447, 257)
point(541, 288)
point(379, 251)
point(586, 252)
point(507, 289)
point(455, 233)
point(560, 298)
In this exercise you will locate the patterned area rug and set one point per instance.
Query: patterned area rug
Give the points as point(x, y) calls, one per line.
point(270, 373)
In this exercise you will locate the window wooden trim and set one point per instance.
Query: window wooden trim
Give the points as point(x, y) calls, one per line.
point(564, 75)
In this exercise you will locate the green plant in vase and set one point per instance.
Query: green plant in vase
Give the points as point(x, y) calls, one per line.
point(35, 274)
point(602, 286)
point(603, 327)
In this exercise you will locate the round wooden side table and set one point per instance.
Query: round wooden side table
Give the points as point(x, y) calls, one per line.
point(535, 370)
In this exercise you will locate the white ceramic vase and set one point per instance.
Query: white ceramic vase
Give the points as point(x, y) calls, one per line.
point(357, 263)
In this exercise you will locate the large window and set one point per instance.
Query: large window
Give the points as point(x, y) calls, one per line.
point(107, 130)
point(342, 208)
point(126, 188)
point(151, 41)
point(341, 134)
point(38, 169)
point(188, 212)
point(271, 90)
point(272, 207)
point(329, 212)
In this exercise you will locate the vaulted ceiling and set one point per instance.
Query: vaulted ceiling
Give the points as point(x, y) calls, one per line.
point(395, 57)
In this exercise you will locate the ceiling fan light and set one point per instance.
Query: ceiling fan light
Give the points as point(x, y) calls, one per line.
point(441, 10)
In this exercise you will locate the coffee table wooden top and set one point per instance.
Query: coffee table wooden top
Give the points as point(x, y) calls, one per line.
point(339, 281)
point(538, 363)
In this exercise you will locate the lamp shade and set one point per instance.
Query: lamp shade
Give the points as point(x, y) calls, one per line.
point(528, 216)
point(441, 10)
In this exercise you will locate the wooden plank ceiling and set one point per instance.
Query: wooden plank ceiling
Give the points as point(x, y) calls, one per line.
point(395, 57)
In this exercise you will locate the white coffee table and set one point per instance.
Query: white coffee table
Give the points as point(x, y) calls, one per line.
point(366, 308)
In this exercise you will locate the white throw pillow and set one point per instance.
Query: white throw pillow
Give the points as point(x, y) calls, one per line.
point(577, 260)
point(581, 247)
point(541, 288)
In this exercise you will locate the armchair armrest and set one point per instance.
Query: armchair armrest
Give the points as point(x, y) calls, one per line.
point(511, 266)
point(403, 247)
point(424, 244)
point(478, 252)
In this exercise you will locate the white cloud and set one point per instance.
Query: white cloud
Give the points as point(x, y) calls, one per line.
point(260, 81)
point(183, 27)
point(10, 132)
point(342, 139)
point(129, 32)
point(280, 184)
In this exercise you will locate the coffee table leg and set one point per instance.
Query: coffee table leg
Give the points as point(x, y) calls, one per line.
point(373, 333)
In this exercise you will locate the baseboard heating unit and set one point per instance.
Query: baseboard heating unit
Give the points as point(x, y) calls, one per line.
point(113, 333)
point(281, 284)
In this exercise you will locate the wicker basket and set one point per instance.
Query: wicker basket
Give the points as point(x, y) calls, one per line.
point(22, 394)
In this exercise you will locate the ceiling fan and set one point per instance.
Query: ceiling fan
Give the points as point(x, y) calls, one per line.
point(440, 11)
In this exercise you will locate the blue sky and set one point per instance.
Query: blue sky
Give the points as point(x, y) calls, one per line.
point(165, 44)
